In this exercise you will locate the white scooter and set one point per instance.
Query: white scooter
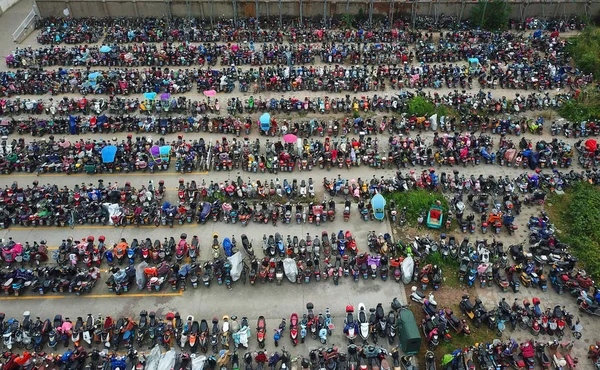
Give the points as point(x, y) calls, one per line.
point(363, 321)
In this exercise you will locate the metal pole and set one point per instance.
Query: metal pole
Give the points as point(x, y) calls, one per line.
point(324, 13)
point(280, 16)
point(483, 14)
point(371, 13)
point(413, 13)
point(347, 6)
point(212, 13)
point(256, 12)
point(544, 16)
point(462, 10)
point(234, 5)
point(169, 15)
point(301, 6)
point(391, 16)
point(587, 9)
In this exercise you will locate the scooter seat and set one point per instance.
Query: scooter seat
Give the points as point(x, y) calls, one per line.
point(455, 320)
point(349, 318)
point(559, 360)
point(419, 294)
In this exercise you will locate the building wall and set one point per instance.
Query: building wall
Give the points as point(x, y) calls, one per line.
point(310, 8)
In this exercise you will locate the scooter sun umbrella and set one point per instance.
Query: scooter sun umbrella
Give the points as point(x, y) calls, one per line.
point(290, 138)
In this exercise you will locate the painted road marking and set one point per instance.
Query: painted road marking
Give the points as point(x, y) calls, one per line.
point(85, 226)
point(93, 296)
point(107, 174)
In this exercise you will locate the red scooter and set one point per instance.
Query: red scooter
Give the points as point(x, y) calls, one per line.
point(294, 328)
point(261, 329)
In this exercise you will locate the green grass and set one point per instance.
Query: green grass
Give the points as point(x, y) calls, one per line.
point(417, 201)
point(576, 215)
point(585, 48)
point(585, 107)
point(481, 335)
point(449, 269)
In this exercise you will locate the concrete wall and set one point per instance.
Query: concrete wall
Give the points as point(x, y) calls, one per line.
point(310, 8)
point(5, 4)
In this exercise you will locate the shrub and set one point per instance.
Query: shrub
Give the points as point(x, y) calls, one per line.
point(348, 20)
point(585, 107)
point(585, 48)
point(491, 15)
point(420, 106)
point(577, 221)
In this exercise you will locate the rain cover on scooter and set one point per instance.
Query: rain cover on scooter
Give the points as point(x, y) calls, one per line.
point(447, 359)
point(120, 276)
point(140, 276)
point(153, 358)
point(167, 361)
point(407, 267)
point(109, 153)
point(205, 210)
point(236, 266)
point(433, 121)
point(118, 363)
point(228, 247)
point(241, 336)
point(291, 269)
point(198, 362)
point(113, 210)
point(534, 159)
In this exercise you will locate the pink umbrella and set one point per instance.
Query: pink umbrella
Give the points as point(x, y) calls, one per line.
point(210, 93)
point(290, 138)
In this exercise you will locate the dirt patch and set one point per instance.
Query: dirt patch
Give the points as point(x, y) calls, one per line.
point(448, 296)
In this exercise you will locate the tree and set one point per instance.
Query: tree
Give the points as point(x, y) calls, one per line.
point(491, 15)
point(585, 50)
point(348, 20)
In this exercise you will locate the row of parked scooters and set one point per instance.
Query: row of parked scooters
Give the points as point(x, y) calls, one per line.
point(371, 357)
point(546, 249)
point(124, 205)
point(497, 354)
point(34, 275)
point(188, 333)
point(442, 324)
point(300, 260)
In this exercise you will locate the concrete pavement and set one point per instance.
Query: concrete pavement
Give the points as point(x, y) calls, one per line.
point(270, 300)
